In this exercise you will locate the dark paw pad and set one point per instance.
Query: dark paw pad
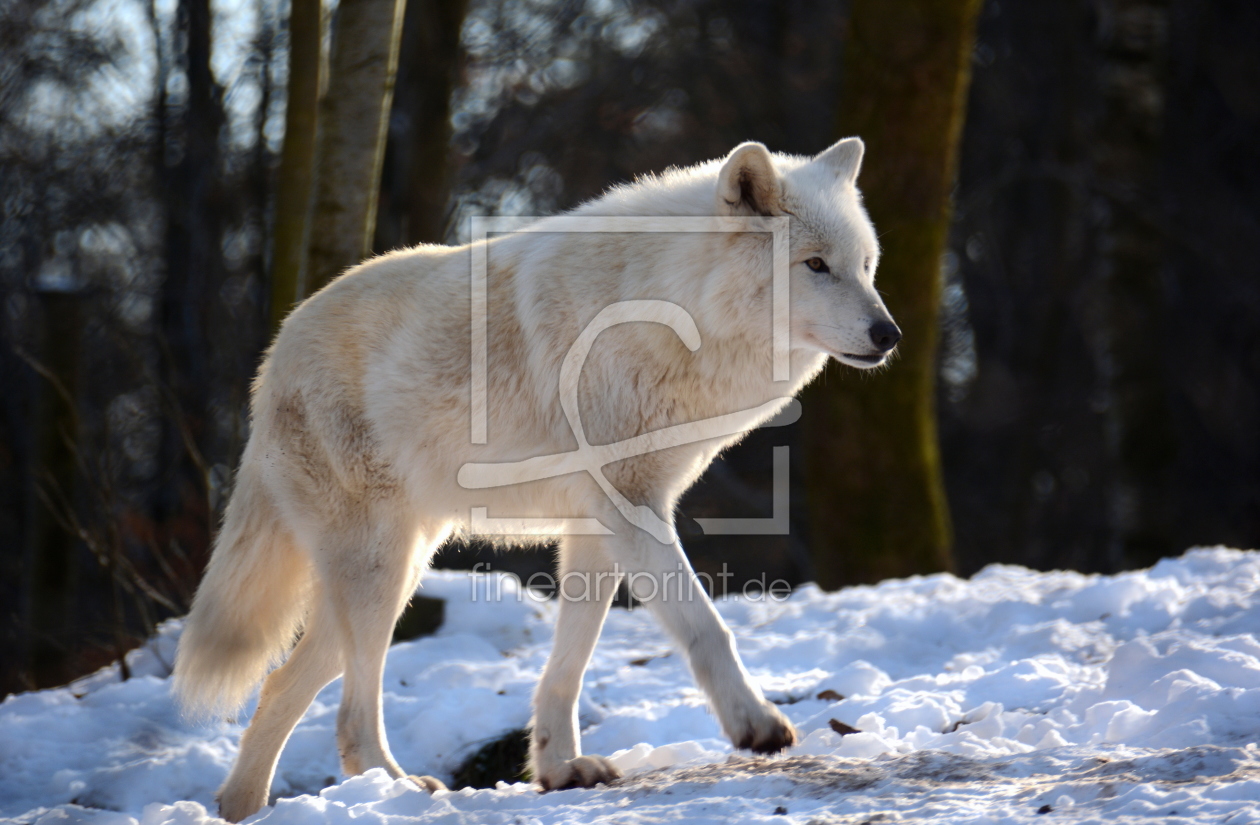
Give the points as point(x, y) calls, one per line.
point(780, 738)
point(583, 772)
point(768, 735)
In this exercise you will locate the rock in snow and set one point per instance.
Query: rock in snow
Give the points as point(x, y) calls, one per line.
point(1011, 696)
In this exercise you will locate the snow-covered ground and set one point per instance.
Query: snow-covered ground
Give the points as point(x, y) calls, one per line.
point(1009, 697)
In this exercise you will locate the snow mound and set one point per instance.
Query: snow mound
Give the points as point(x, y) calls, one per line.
point(1001, 698)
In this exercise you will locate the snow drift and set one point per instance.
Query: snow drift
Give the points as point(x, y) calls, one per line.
point(1010, 696)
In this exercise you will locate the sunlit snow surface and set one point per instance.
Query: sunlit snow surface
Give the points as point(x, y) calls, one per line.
point(1105, 698)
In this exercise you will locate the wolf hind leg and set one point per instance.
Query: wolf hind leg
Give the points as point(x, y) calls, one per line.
point(286, 694)
point(588, 583)
point(371, 573)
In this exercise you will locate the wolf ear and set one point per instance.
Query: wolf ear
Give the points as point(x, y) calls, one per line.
point(844, 158)
point(748, 183)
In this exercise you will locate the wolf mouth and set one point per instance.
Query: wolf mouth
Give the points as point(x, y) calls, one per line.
point(863, 359)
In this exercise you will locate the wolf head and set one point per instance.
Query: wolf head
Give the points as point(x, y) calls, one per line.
point(834, 306)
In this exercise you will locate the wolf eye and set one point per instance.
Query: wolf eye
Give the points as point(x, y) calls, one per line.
point(818, 265)
point(866, 266)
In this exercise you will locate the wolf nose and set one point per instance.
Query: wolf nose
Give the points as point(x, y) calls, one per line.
point(885, 335)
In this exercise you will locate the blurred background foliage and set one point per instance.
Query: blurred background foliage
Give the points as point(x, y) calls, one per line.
point(1098, 398)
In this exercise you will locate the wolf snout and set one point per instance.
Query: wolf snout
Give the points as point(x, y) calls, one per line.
point(885, 335)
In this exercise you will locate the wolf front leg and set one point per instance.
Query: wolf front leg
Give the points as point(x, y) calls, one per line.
point(660, 576)
point(587, 585)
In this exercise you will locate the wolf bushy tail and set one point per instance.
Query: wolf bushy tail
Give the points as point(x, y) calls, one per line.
point(248, 609)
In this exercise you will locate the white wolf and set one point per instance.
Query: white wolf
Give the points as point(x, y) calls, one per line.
point(361, 423)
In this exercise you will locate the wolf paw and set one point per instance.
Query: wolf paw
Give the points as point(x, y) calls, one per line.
point(769, 731)
point(428, 783)
point(582, 772)
point(235, 805)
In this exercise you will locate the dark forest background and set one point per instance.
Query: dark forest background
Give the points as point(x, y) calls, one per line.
point(1099, 367)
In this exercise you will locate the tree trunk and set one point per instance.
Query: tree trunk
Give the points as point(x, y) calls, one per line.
point(1126, 156)
point(194, 195)
point(353, 121)
point(195, 207)
point(876, 494)
point(54, 568)
point(295, 185)
point(434, 50)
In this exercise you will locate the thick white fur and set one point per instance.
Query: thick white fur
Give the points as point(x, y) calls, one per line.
point(361, 423)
